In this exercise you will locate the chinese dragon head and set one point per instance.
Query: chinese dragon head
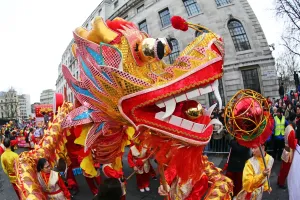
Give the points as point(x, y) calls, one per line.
point(124, 82)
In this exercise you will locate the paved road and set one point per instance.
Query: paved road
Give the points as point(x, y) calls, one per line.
point(7, 192)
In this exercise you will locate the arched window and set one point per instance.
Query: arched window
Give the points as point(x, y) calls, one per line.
point(238, 35)
point(175, 52)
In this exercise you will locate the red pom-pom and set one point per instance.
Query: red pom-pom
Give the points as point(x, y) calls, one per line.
point(179, 23)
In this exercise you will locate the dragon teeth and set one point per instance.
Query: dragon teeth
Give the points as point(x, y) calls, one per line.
point(170, 107)
point(186, 124)
point(170, 103)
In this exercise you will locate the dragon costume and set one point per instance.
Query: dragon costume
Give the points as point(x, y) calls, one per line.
point(125, 88)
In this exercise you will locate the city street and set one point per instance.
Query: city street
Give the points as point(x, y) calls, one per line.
point(7, 192)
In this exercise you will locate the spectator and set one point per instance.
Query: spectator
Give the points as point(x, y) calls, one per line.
point(278, 132)
point(292, 95)
point(298, 122)
point(281, 91)
point(288, 110)
point(286, 99)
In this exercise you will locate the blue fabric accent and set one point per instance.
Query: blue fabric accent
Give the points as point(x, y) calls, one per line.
point(77, 171)
point(98, 58)
point(89, 73)
point(106, 76)
point(99, 127)
point(83, 115)
point(83, 91)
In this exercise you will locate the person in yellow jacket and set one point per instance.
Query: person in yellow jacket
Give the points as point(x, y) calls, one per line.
point(278, 133)
point(8, 158)
point(255, 176)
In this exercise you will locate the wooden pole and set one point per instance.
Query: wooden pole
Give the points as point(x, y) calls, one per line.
point(163, 179)
point(263, 157)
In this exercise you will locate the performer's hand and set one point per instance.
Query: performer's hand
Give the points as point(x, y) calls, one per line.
point(266, 172)
point(162, 192)
point(135, 168)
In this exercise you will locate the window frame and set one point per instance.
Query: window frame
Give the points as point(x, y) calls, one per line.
point(237, 33)
point(161, 17)
point(116, 4)
point(176, 51)
point(143, 22)
point(247, 78)
point(188, 7)
point(221, 3)
point(142, 6)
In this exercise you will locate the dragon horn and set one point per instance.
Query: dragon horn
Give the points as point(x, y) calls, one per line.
point(181, 24)
point(100, 32)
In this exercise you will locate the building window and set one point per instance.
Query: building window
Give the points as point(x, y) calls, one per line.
point(116, 4)
point(143, 26)
point(222, 2)
point(2, 116)
point(251, 80)
point(125, 17)
point(140, 8)
point(165, 17)
point(175, 52)
point(212, 98)
point(192, 7)
point(238, 35)
point(99, 12)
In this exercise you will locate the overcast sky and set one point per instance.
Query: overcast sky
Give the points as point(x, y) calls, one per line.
point(35, 33)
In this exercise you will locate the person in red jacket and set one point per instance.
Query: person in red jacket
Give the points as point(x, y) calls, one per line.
point(138, 160)
point(288, 152)
point(51, 182)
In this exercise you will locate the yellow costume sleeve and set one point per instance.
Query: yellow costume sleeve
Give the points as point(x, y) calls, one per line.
point(250, 180)
point(3, 166)
point(87, 165)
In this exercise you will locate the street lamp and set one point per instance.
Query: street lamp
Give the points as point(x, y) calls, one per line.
point(272, 46)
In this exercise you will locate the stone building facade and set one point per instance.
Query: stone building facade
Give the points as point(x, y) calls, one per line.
point(47, 96)
point(24, 105)
point(9, 105)
point(248, 61)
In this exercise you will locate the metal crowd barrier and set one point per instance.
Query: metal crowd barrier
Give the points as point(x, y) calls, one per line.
point(219, 143)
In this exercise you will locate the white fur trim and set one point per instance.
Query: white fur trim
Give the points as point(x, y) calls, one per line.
point(135, 152)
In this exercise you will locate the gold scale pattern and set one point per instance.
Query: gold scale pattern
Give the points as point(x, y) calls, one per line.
point(51, 147)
